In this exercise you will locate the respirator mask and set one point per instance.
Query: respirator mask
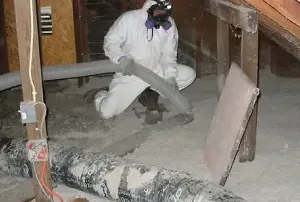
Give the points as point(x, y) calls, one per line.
point(158, 15)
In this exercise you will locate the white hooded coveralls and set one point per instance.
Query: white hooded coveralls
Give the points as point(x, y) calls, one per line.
point(128, 36)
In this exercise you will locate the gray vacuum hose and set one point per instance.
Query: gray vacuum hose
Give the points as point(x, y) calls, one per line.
point(99, 67)
point(13, 79)
point(112, 177)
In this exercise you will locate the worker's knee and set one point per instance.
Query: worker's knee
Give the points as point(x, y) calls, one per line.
point(105, 115)
point(106, 112)
point(102, 107)
point(191, 75)
point(186, 75)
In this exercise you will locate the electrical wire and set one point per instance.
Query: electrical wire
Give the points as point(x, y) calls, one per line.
point(32, 84)
point(43, 119)
point(44, 166)
point(31, 52)
point(41, 183)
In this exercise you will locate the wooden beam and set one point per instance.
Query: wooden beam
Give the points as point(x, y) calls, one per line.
point(23, 22)
point(199, 37)
point(276, 26)
point(249, 65)
point(279, 35)
point(239, 16)
point(3, 44)
point(222, 52)
point(288, 8)
point(276, 16)
point(81, 38)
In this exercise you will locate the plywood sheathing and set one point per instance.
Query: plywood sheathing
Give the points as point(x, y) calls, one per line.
point(278, 26)
point(288, 8)
point(58, 48)
point(11, 35)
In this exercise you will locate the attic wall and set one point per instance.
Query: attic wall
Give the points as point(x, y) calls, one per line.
point(3, 52)
point(198, 44)
point(58, 48)
point(185, 17)
point(197, 35)
point(101, 15)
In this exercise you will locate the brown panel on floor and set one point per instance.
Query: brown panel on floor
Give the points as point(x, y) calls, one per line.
point(230, 120)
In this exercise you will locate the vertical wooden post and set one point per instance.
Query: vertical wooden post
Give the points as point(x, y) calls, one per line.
point(124, 5)
point(3, 44)
point(199, 37)
point(222, 53)
point(249, 64)
point(81, 38)
point(23, 23)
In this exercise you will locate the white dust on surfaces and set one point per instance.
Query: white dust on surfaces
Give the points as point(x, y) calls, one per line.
point(137, 179)
point(273, 175)
point(113, 180)
point(78, 169)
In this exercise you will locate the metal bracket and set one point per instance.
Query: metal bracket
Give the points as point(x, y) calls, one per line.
point(28, 113)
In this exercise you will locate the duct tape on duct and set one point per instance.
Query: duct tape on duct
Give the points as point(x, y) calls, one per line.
point(112, 177)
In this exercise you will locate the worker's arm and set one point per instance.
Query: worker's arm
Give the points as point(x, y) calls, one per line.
point(169, 53)
point(115, 37)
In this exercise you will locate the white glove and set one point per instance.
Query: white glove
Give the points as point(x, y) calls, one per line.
point(127, 65)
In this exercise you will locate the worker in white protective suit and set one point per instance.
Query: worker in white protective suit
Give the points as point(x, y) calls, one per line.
point(149, 37)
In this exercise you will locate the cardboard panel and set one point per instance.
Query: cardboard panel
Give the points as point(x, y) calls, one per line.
point(230, 120)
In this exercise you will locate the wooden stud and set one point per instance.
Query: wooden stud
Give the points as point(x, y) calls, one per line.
point(249, 64)
point(81, 39)
point(239, 16)
point(124, 5)
point(22, 9)
point(199, 33)
point(198, 61)
point(222, 53)
point(3, 44)
point(276, 26)
point(246, 19)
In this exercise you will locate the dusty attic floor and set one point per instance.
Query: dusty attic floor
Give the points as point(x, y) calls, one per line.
point(273, 176)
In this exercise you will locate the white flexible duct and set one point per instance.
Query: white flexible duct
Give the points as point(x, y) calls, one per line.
point(99, 67)
point(111, 177)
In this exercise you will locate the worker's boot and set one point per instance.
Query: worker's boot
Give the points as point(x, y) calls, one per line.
point(149, 99)
point(89, 96)
point(154, 110)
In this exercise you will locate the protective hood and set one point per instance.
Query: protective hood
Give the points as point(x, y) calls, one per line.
point(148, 4)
